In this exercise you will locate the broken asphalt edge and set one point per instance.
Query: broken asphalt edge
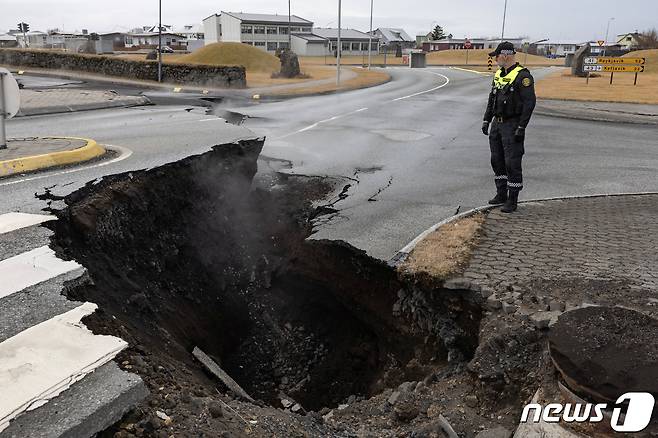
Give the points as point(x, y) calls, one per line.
point(34, 163)
point(404, 253)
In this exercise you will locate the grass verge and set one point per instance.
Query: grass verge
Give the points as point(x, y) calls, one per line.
point(446, 251)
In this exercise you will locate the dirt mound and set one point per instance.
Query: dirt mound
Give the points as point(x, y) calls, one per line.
point(251, 58)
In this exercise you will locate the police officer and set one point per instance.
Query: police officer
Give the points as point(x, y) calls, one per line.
point(511, 103)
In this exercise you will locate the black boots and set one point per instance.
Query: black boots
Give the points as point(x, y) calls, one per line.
point(501, 198)
point(510, 204)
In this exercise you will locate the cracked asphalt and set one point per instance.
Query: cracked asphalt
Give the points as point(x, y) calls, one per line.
point(411, 149)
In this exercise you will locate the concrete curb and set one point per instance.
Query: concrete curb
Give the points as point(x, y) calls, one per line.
point(39, 162)
point(402, 255)
point(117, 103)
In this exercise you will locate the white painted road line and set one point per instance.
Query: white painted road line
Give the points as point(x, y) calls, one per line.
point(426, 91)
point(41, 362)
point(124, 154)
point(30, 268)
point(15, 221)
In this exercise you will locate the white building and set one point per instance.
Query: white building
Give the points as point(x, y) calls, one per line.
point(558, 48)
point(353, 42)
point(265, 31)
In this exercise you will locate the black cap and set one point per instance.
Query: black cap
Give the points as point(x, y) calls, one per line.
point(504, 48)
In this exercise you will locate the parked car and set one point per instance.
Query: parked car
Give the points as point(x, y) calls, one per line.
point(167, 49)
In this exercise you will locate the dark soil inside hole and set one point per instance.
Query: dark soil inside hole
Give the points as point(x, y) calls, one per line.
point(195, 253)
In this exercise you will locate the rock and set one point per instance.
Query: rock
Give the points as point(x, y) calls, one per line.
point(286, 403)
point(471, 401)
point(498, 432)
point(152, 55)
point(429, 430)
point(405, 412)
point(509, 308)
point(215, 409)
point(289, 64)
point(407, 387)
point(297, 408)
point(457, 283)
point(166, 419)
point(493, 303)
point(343, 407)
point(543, 320)
point(433, 411)
point(486, 291)
point(393, 398)
point(429, 379)
point(556, 306)
point(351, 399)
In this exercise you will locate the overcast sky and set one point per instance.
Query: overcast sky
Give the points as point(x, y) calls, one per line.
point(554, 19)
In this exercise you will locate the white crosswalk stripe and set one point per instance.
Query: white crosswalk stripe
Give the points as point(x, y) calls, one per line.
point(15, 221)
point(30, 268)
point(40, 362)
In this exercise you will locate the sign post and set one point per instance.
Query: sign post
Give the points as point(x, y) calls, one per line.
point(467, 46)
point(613, 65)
point(10, 99)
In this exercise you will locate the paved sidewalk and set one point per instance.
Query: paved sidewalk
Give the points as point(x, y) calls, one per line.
point(27, 147)
point(605, 239)
point(25, 155)
point(599, 111)
point(50, 101)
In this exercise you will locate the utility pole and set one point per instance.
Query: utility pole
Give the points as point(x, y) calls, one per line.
point(607, 30)
point(502, 34)
point(289, 27)
point(340, 47)
point(160, 41)
point(370, 38)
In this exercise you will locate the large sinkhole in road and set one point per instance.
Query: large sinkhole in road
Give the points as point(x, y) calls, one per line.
point(199, 253)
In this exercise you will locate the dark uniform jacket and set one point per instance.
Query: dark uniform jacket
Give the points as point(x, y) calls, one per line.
point(515, 101)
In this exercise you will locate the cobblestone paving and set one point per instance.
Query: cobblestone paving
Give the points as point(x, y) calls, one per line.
point(27, 147)
point(611, 238)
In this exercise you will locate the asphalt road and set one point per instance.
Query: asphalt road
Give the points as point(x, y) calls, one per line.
point(412, 150)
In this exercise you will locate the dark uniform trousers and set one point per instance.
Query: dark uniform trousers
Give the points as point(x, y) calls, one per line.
point(506, 155)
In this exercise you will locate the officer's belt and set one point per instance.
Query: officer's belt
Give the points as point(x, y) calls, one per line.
point(501, 119)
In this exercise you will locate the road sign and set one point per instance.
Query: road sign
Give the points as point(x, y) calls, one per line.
point(490, 63)
point(611, 60)
point(467, 44)
point(10, 100)
point(600, 43)
point(10, 96)
point(614, 68)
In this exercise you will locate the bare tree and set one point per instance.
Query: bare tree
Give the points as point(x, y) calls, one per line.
point(648, 39)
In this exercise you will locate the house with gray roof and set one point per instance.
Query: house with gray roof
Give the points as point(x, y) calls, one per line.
point(267, 32)
point(394, 38)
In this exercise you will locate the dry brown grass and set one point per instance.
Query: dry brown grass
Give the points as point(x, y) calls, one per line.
point(365, 78)
point(311, 72)
point(562, 85)
point(446, 251)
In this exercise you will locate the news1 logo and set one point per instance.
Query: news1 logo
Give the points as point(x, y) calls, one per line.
point(636, 419)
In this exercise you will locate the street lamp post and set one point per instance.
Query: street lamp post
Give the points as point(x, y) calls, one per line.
point(339, 48)
point(370, 38)
point(289, 27)
point(160, 41)
point(607, 30)
point(502, 34)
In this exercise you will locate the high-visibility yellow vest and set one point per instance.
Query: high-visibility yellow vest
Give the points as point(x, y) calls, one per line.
point(501, 81)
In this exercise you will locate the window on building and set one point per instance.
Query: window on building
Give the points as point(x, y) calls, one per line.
point(306, 29)
point(345, 46)
point(259, 43)
point(249, 43)
point(283, 30)
point(271, 46)
point(374, 47)
point(247, 30)
point(296, 29)
point(356, 47)
point(259, 29)
point(364, 47)
point(272, 31)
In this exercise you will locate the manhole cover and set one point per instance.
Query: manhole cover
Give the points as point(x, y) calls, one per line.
point(604, 352)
